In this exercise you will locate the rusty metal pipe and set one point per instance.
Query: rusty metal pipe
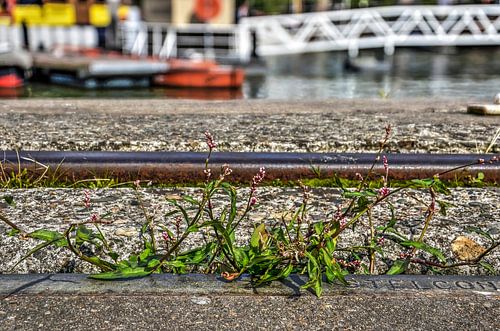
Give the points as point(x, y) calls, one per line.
point(179, 167)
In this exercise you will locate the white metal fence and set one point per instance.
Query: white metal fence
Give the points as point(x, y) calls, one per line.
point(166, 41)
point(377, 27)
point(45, 37)
point(350, 30)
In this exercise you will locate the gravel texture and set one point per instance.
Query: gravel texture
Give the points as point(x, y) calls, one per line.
point(57, 208)
point(420, 125)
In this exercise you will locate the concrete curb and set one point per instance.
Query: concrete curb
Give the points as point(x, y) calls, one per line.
point(67, 301)
point(194, 284)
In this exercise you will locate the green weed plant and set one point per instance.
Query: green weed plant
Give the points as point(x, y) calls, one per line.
point(293, 245)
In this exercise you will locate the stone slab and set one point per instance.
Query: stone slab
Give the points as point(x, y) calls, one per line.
point(54, 209)
point(419, 125)
point(484, 109)
point(59, 301)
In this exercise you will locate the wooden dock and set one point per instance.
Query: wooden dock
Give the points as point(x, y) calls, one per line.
point(95, 71)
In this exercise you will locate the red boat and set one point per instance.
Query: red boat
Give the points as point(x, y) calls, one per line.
point(200, 74)
point(10, 79)
point(13, 66)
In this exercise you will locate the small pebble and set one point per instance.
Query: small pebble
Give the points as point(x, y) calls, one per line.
point(201, 300)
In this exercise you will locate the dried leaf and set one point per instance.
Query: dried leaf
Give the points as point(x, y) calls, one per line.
point(230, 276)
point(466, 249)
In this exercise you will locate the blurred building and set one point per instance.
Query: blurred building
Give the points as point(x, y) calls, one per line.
point(188, 11)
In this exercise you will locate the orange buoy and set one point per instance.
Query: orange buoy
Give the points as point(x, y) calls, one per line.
point(207, 9)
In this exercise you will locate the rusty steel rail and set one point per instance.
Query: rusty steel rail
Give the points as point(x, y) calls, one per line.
point(182, 167)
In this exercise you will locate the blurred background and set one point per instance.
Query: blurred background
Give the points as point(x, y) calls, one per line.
point(253, 49)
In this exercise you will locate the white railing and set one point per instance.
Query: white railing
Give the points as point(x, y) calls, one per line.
point(343, 30)
point(46, 37)
point(166, 41)
point(376, 27)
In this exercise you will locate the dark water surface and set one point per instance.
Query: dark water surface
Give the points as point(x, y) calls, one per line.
point(469, 73)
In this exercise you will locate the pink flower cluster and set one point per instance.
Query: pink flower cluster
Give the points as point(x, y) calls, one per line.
point(384, 191)
point(225, 171)
point(406, 254)
point(256, 180)
point(210, 140)
point(166, 236)
point(339, 216)
point(349, 264)
point(86, 198)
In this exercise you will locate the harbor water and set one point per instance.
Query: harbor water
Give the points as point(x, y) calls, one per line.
point(466, 73)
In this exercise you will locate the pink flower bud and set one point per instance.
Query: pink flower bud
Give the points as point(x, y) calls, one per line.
point(383, 192)
point(210, 140)
point(87, 198)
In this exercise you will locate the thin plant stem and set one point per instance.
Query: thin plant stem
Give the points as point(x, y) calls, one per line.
point(149, 220)
point(10, 223)
point(430, 214)
point(459, 264)
point(372, 238)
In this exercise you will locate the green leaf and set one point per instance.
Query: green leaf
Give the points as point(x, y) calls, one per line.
point(171, 213)
point(84, 234)
point(314, 273)
point(257, 235)
point(133, 260)
point(13, 232)
point(441, 187)
point(393, 220)
point(488, 267)
point(481, 232)
point(443, 205)
point(319, 227)
point(422, 183)
point(153, 263)
point(10, 200)
point(197, 255)
point(332, 268)
point(193, 228)
point(423, 246)
point(330, 245)
point(144, 254)
point(241, 257)
point(355, 194)
point(398, 267)
point(45, 235)
point(231, 191)
point(124, 273)
point(113, 255)
point(104, 265)
point(175, 264)
point(190, 199)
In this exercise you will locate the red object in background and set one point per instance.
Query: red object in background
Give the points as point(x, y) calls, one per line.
point(10, 6)
point(203, 74)
point(10, 81)
point(207, 9)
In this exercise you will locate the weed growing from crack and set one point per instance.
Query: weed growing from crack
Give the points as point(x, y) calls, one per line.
point(293, 245)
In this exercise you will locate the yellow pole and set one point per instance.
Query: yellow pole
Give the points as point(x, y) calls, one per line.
point(323, 5)
point(297, 6)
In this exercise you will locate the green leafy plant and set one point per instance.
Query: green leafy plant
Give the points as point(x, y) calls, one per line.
point(294, 244)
